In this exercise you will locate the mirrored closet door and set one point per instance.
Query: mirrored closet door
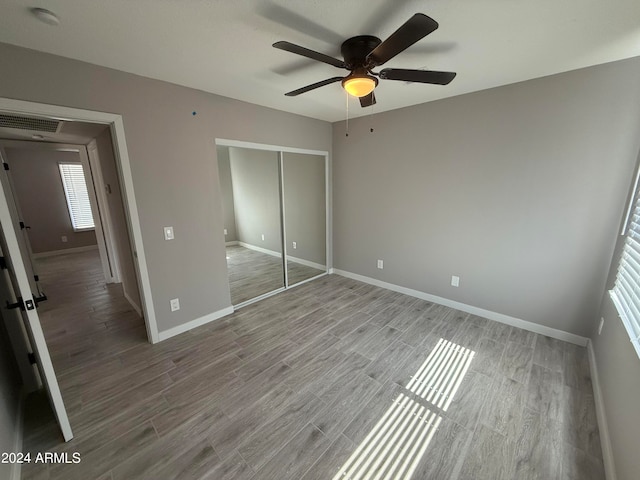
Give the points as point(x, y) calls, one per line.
point(250, 186)
point(275, 218)
point(305, 220)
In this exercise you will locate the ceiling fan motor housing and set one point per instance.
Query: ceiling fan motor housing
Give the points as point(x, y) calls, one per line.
point(355, 50)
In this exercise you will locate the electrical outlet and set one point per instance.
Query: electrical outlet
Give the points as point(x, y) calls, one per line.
point(64, 239)
point(175, 304)
point(380, 264)
point(168, 233)
point(225, 231)
point(455, 281)
point(601, 325)
point(295, 245)
point(263, 237)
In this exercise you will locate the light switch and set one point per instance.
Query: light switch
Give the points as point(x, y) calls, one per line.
point(168, 233)
point(455, 281)
point(225, 231)
point(295, 245)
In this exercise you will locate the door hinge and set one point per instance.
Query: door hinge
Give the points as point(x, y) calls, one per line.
point(32, 358)
point(3, 263)
point(5, 165)
point(35, 277)
point(23, 226)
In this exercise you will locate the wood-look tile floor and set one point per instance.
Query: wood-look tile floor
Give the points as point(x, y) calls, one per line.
point(252, 273)
point(333, 379)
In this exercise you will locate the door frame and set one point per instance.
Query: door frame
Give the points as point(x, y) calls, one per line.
point(123, 165)
point(104, 211)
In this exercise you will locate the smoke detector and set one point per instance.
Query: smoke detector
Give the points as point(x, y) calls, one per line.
point(45, 16)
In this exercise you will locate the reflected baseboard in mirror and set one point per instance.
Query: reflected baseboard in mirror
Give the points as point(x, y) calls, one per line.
point(298, 272)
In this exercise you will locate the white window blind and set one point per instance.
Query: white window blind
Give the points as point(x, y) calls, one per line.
point(626, 291)
point(75, 189)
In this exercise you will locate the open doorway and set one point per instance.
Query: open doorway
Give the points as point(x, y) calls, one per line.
point(94, 276)
point(71, 217)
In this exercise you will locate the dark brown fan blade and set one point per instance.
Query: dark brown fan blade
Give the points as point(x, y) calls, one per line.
point(419, 76)
point(313, 86)
point(305, 52)
point(417, 27)
point(368, 100)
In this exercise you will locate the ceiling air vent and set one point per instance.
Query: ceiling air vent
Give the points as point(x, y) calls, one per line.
point(28, 123)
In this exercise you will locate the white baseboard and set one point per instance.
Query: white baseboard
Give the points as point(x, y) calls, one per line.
point(65, 251)
point(260, 249)
point(232, 243)
point(16, 470)
point(603, 426)
point(307, 263)
point(172, 332)
point(133, 304)
point(279, 255)
point(481, 312)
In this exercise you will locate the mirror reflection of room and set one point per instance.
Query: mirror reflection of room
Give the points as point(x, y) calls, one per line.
point(304, 193)
point(250, 186)
point(273, 202)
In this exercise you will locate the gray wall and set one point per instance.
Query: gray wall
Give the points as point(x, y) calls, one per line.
point(104, 147)
point(39, 191)
point(518, 190)
point(226, 192)
point(9, 399)
point(173, 163)
point(256, 197)
point(304, 202)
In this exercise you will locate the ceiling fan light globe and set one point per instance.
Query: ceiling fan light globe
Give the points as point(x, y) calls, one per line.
point(359, 86)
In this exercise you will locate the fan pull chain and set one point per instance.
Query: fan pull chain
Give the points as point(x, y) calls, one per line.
point(371, 116)
point(347, 97)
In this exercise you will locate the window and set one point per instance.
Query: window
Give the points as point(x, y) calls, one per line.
point(75, 189)
point(626, 291)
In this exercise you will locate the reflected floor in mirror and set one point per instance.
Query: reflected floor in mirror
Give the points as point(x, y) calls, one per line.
point(334, 379)
point(253, 273)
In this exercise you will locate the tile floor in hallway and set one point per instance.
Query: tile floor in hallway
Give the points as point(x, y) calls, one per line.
point(332, 379)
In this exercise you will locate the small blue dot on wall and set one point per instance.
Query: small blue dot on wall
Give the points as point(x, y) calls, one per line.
point(194, 113)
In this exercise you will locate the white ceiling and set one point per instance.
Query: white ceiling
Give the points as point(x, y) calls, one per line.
point(224, 47)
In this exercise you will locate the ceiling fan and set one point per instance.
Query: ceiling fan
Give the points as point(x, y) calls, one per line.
point(365, 52)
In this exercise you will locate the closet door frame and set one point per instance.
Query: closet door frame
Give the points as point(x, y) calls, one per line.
point(223, 142)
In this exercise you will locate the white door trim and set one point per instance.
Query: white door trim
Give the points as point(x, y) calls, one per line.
point(104, 211)
point(126, 180)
